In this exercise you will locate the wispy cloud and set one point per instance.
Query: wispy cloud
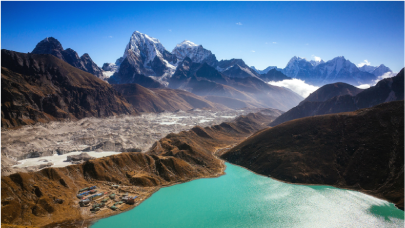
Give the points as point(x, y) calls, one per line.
point(266, 43)
point(379, 78)
point(109, 36)
point(253, 51)
point(170, 30)
point(365, 62)
point(297, 85)
point(274, 42)
point(307, 44)
point(239, 23)
point(316, 58)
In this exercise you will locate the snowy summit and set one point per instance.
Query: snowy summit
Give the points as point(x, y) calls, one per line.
point(189, 49)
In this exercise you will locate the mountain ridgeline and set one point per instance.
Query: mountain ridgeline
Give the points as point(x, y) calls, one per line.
point(52, 46)
point(346, 98)
point(192, 68)
point(42, 88)
point(338, 69)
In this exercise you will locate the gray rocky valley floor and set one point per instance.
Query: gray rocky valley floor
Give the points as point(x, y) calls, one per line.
point(113, 134)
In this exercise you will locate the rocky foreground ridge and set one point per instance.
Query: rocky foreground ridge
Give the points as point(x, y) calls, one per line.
point(361, 150)
point(48, 196)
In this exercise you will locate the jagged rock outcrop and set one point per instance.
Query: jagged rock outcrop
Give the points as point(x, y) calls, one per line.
point(389, 89)
point(361, 150)
point(42, 88)
point(146, 56)
point(52, 46)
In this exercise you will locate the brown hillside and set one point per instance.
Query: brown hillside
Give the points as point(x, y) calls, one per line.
point(233, 102)
point(328, 91)
point(158, 100)
point(361, 150)
point(42, 88)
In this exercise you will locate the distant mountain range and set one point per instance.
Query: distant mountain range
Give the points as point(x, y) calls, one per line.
point(338, 69)
point(340, 97)
point(192, 68)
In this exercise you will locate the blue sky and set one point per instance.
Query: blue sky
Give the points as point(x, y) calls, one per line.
point(261, 33)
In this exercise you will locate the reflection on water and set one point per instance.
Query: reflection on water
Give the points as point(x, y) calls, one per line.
point(244, 199)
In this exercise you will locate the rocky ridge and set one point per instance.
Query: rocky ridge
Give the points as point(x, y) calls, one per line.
point(52, 46)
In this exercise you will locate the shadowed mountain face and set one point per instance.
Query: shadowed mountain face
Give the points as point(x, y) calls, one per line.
point(389, 89)
point(274, 75)
point(326, 92)
point(204, 80)
point(159, 100)
point(41, 88)
point(361, 150)
point(129, 74)
point(52, 46)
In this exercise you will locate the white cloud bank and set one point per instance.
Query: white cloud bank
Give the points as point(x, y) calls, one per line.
point(365, 62)
point(297, 85)
point(379, 78)
point(318, 59)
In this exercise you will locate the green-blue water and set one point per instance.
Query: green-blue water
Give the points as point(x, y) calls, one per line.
point(244, 199)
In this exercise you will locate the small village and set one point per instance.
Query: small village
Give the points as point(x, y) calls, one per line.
point(108, 196)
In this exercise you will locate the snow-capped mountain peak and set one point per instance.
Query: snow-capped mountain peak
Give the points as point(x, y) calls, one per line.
point(145, 47)
point(186, 43)
point(189, 49)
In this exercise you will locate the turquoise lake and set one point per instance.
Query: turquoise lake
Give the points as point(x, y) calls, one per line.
point(244, 199)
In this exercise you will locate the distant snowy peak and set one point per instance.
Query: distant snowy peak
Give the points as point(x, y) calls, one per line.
point(316, 62)
point(195, 52)
point(367, 68)
point(144, 47)
point(380, 70)
point(338, 64)
point(295, 65)
point(265, 70)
